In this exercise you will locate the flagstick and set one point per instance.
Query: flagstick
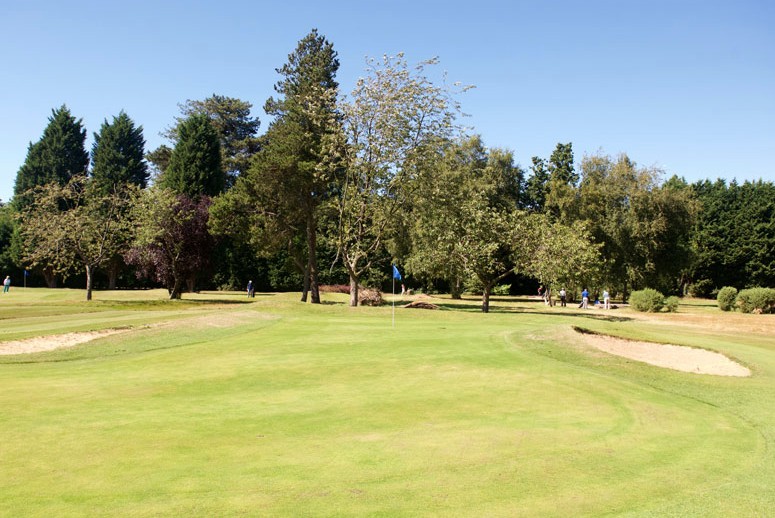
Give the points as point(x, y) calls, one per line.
point(394, 301)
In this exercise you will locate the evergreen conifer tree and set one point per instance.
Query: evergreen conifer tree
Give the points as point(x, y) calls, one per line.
point(117, 154)
point(195, 164)
point(57, 157)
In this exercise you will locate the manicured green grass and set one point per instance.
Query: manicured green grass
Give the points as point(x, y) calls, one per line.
point(212, 407)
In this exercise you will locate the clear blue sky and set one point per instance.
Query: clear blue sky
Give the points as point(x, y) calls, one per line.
point(685, 85)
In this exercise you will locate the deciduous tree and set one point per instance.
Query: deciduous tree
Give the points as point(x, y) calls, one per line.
point(171, 241)
point(91, 228)
point(396, 123)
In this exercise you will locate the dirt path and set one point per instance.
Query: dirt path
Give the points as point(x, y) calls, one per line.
point(681, 358)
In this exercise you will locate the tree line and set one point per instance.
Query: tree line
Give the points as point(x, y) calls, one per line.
point(338, 187)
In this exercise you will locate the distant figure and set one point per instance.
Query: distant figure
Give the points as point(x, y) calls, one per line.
point(606, 299)
point(403, 290)
point(7, 283)
point(562, 297)
point(540, 291)
point(585, 299)
point(251, 290)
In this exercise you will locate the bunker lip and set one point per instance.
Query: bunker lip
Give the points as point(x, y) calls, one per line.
point(677, 357)
point(51, 342)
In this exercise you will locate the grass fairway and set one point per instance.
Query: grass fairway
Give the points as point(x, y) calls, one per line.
point(214, 407)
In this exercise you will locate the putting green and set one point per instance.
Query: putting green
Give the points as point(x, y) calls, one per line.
point(280, 409)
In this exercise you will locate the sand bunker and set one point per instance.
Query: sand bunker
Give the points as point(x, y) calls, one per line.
point(49, 343)
point(681, 358)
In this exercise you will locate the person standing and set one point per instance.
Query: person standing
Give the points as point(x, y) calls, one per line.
point(606, 299)
point(7, 283)
point(251, 290)
point(585, 299)
point(562, 297)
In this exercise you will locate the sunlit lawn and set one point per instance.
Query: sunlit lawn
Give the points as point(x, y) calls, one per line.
point(220, 406)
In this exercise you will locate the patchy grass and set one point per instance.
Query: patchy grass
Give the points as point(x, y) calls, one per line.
point(212, 407)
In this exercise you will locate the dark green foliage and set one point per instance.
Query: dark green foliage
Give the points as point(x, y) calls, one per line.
point(702, 289)
point(311, 66)
point(537, 185)
point(276, 203)
point(236, 130)
point(561, 168)
point(160, 158)
point(726, 298)
point(671, 304)
point(57, 157)
point(195, 163)
point(647, 300)
point(734, 239)
point(756, 300)
point(117, 154)
point(9, 264)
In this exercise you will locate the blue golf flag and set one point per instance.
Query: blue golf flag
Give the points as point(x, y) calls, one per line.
point(26, 273)
point(396, 275)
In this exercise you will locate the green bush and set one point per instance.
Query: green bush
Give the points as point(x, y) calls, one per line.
point(647, 300)
point(671, 303)
point(701, 289)
point(726, 298)
point(756, 300)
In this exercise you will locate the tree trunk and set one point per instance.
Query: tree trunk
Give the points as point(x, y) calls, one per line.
point(306, 284)
point(113, 267)
point(50, 277)
point(353, 291)
point(312, 261)
point(455, 288)
point(177, 287)
point(486, 299)
point(89, 280)
point(190, 284)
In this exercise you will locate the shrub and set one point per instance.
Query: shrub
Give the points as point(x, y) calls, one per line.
point(671, 304)
point(647, 300)
point(701, 289)
point(756, 300)
point(726, 298)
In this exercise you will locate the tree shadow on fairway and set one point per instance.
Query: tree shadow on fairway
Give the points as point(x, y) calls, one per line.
point(515, 309)
point(162, 304)
point(606, 318)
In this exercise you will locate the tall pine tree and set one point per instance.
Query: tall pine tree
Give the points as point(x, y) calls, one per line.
point(295, 170)
point(117, 154)
point(59, 155)
point(117, 160)
point(195, 164)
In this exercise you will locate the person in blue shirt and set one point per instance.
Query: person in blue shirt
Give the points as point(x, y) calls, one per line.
point(584, 298)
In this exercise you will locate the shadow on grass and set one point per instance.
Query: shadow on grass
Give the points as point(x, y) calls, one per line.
point(469, 308)
point(150, 304)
